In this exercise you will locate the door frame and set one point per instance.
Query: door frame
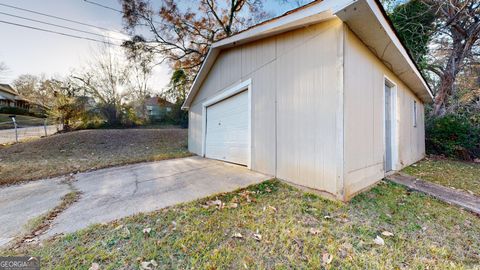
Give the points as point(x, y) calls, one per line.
point(224, 94)
point(394, 123)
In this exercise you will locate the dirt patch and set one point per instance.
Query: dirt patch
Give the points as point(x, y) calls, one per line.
point(88, 150)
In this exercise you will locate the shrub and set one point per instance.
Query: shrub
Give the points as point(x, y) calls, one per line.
point(453, 136)
point(177, 116)
point(19, 111)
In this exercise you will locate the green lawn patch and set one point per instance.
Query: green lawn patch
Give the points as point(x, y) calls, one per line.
point(450, 173)
point(275, 226)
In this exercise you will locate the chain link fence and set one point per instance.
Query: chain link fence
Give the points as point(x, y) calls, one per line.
point(20, 128)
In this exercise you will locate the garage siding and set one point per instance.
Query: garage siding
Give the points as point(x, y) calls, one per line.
point(363, 119)
point(296, 81)
point(317, 108)
point(308, 87)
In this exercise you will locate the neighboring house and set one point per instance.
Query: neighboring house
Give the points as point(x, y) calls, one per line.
point(156, 108)
point(10, 98)
point(325, 97)
point(89, 103)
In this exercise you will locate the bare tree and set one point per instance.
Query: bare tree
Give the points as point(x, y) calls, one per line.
point(3, 70)
point(181, 31)
point(37, 89)
point(456, 41)
point(104, 78)
point(140, 71)
point(26, 85)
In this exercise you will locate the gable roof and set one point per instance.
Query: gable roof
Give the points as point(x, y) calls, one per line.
point(8, 89)
point(152, 101)
point(360, 15)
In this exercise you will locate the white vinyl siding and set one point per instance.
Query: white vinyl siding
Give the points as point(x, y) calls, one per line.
point(364, 122)
point(316, 105)
point(295, 94)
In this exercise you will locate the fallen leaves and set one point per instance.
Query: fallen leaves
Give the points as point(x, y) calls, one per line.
point(31, 240)
point(95, 266)
point(327, 258)
point(379, 241)
point(126, 233)
point(148, 265)
point(217, 203)
point(237, 235)
point(387, 233)
point(173, 226)
point(314, 231)
point(256, 236)
point(246, 195)
point(269, 207)
point(232, 205)
point(272, 208)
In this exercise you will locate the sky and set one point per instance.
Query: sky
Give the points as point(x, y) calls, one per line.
point(27, 51)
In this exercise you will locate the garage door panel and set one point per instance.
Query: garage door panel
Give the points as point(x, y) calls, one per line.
point(227, 130)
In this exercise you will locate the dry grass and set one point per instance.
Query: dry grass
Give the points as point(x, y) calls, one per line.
point(22, 121)
point(88, 150)
point(450, 173)
point(428, 234)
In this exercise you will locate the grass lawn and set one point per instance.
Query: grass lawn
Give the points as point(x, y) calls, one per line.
point(276, 226)
point(22, 120)
point(88, 150)
point(449, 173)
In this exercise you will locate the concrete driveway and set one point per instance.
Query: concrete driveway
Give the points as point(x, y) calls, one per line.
point(114, 193)
point(21, 203)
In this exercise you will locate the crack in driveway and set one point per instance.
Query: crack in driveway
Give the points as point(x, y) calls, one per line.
point(111, 194)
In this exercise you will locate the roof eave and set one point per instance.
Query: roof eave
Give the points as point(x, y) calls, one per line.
point(364, 18)
point(314, 13)
point(348, 11)
point(202, 74)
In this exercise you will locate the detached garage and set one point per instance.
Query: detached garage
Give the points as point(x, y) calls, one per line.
point(324, 97)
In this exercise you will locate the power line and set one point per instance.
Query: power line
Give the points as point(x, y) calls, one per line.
point(111, 8)
point(58, 18)
point(58, 33)
point(57, 25)
point(104, 6)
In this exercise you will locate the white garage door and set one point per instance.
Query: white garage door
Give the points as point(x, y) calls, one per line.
point(227, 130)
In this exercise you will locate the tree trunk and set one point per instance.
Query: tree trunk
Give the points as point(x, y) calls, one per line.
point(443, 92)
